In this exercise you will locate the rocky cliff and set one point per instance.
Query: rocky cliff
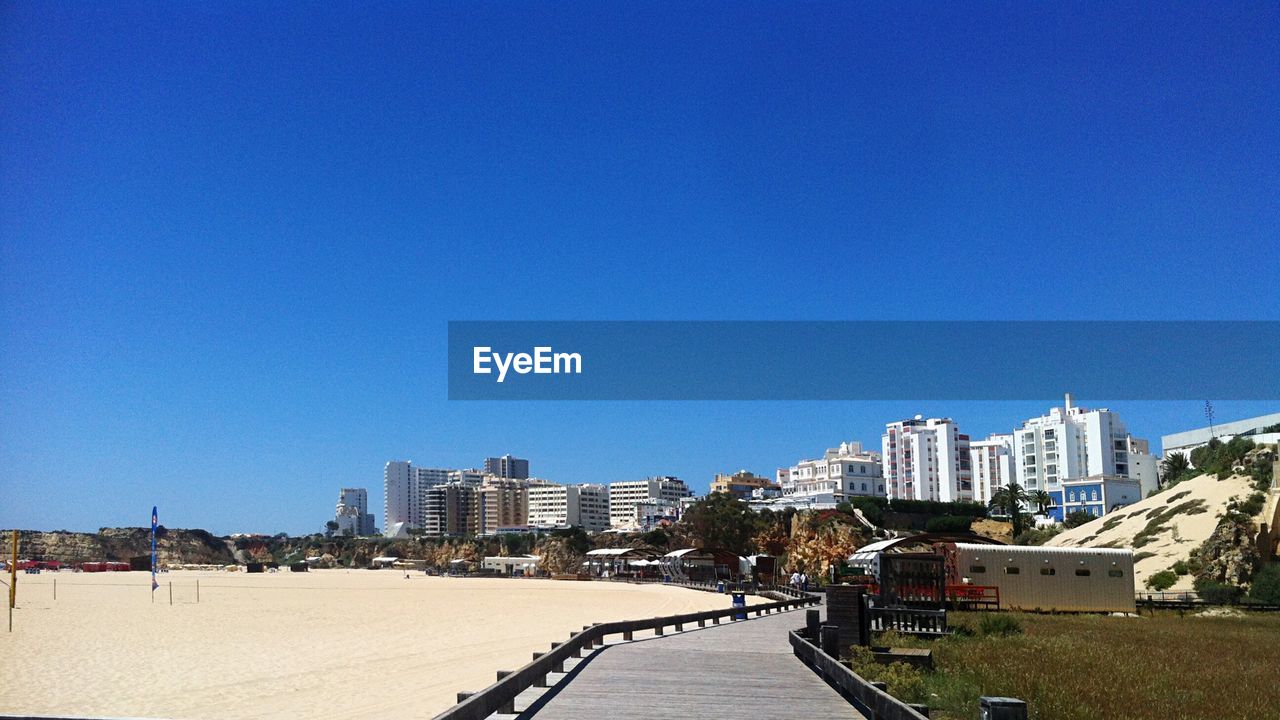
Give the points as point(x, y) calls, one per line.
point(172, 545)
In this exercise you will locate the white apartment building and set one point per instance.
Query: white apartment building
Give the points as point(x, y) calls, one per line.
point(558, 506)
point(352, 512)
point(842, 472)
point(1072, 442)
point(405, 490)
point(625, 496)
point(927, 460)
point(991, 461)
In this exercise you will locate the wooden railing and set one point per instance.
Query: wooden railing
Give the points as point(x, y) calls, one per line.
point(500, 697)
point(908, 620)
point(869, 698)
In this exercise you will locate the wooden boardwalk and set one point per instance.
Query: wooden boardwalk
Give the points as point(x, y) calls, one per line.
point(736, 669)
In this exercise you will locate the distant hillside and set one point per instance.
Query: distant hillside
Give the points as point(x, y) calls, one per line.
point(1165, 529)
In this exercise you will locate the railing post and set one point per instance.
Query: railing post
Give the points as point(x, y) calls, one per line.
point(627, 635)
point(1001, 708)
point(830, 635)
point(811, 622)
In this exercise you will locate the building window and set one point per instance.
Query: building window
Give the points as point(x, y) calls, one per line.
point(1048, 571)
point(977, 569)
point(1083, 572)
point(1113, 572)
point(1012, 570)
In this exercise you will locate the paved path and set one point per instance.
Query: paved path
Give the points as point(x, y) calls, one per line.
point(732, 670)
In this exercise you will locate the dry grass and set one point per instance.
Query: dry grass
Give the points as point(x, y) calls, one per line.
point(1078, 667)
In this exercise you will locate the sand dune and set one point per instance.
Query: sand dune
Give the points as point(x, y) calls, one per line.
point(327, 644)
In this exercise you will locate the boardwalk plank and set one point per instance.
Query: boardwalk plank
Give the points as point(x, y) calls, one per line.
point(738, 669)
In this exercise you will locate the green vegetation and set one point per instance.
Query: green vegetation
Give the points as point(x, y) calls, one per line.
point(1217, 593)
point(948, 523)
point(1038, 536)
point(1181, 568)
point(1010, 499)
point(1162, 580)
point(1266, 585)
point(1216, 458)
point(1142, 556)
point(721, 521)
point(1078, 518)
point(999, 624)
point(1108, 679)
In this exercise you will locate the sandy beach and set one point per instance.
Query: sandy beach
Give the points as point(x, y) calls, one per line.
point(326, 644)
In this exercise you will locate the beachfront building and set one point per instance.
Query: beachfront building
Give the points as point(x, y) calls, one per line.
point(1071, 442)
point(927, 460)
point(1261, 429)
point(841, 473)
point(624, 497)
point(501, 503)
point(991, 461)
point(352, 512)
point(512, 468)
point(743, 484)
point(449, 511)
point(471, 478)
point(560, 506)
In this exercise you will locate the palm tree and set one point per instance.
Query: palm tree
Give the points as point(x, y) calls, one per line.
point(1041, 500)
point(1010, 499)
point(1173, 468)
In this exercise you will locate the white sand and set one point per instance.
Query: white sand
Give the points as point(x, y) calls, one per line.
point(1185, 533)
point(327, 644)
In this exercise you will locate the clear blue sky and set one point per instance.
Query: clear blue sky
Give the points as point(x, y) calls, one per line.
point(231, 234)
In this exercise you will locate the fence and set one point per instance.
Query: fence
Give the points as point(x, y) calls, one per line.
point(909, 620)
point(869, 698)
point(500, 697)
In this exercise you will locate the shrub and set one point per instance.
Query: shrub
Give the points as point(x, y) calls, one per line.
point(1266, 585)
point(948, 523)
point(1038, 536)
point(999, 624)
point(1181, 568)
point(1077, 518)
point(1216, 593)
point(1143, 556)
point(1253, 505)
point(1162, 580)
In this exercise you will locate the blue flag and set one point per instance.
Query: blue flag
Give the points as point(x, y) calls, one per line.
point(154, 521)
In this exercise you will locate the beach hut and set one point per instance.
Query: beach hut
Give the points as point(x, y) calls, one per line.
point(383, 562)
point(517, 565)
point(614, 562)
point(700, 565)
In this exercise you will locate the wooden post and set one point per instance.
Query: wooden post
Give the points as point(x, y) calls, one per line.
point(170, 592)
point(811, 623)
point(831, 640)
point(55, 588)
point(197, 591)
point(13, 579)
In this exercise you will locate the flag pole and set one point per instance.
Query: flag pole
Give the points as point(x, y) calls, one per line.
point(154, 521)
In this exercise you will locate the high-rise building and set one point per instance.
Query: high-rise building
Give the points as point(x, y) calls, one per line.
point(352, 512)
point(501, 503)
point(992, 463)
point(626, 495)
point(927, 460)
point(449, 510)
point(405, 494)
point(1069, 443)
point(742, 483)
point(558, 506)
point(507, 467)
